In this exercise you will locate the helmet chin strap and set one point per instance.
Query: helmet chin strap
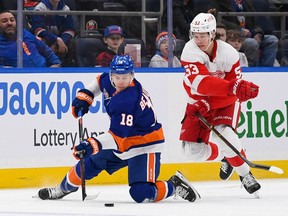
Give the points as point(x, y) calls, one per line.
point(208, 46)
point(212, 39)
point(132, 77)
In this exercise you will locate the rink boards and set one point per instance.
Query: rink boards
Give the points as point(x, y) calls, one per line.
point(38, 130)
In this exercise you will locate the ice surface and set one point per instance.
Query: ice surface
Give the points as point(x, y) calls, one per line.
point(220, 198)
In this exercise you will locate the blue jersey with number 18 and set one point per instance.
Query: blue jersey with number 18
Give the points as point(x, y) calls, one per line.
point(133, 125)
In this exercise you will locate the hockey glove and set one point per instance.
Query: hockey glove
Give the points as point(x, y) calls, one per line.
point(83, 101)
point(243, 89)
point(201, 106)
point(88, 147)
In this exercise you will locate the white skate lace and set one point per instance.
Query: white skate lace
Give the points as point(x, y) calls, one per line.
point(182, 192)
point(55, 192)
point(224, 167)
point(248, 180)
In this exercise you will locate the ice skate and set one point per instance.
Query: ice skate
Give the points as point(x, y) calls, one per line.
point(183, 188)
point(250, 184)
point(52, 193)
point(226, 170)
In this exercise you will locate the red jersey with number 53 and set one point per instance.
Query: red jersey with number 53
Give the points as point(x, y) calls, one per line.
point(209, 77)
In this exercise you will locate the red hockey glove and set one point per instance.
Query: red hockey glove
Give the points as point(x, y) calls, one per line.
point(243, 89)
point(88, 147)
point(201, 106)
point(83, 101)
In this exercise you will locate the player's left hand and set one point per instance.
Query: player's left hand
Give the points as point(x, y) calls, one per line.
point(88, 147)
point(243, 89)
point(201, 106)
point(83, 101)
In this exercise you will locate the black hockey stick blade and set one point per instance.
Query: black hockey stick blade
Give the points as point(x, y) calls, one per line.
point(257, 166)
point(82, 170)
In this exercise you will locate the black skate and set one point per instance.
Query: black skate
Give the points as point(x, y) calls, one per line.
point(226, 170)
point(250, 184)
point(183, 187)
point(52, 193)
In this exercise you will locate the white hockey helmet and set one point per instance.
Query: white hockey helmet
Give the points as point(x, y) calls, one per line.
point(203, 22)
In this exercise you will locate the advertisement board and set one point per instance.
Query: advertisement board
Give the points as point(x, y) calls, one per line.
point(38, 129)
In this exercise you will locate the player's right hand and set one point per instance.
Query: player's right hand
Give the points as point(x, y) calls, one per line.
point(86, 148)
point(243, 89)
point(201, 106)
point(83, 101)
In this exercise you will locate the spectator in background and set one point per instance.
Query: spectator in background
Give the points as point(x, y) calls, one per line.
point(235, 39)
point(260, 49)
point(221, 31)
point(35, 52)
point(30, 4)
point(182, 17)
point(160, 59)
point(56, 30)
point(183, 13)
point(283, 44)
point(113, 38)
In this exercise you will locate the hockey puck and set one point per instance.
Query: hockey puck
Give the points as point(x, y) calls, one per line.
point(109, 204)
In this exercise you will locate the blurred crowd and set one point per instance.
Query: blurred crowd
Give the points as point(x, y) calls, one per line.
point(259, 37)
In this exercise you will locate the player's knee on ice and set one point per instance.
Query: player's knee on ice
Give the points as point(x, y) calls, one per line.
point(143, 192)
point(151, 192)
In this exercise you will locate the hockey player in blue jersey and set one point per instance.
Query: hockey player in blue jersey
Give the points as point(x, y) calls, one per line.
point(135, 139)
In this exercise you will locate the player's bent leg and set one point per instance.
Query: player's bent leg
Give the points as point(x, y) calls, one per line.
point(164, 189)
point(231, 160)
point(231, 136)
point(150, 192)
point(239, 165)
point(71, 182)
point(52, 193)
point(242, 169)
point(207, 152)
point(200, 151)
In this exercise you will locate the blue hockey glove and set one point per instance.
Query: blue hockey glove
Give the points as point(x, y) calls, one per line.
point(88, 147)
point(83, 101)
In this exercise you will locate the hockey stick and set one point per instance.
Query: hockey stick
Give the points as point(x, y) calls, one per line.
point(82, 160)
point(253, 165)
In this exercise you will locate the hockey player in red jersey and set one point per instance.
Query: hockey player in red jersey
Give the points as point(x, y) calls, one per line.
point(135, 139)
point(213, 82)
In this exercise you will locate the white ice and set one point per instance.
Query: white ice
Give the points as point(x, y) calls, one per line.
point(221, 198)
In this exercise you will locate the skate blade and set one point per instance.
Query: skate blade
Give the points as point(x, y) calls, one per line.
point(36, 196)
point(88, 197)
point(257, 194)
